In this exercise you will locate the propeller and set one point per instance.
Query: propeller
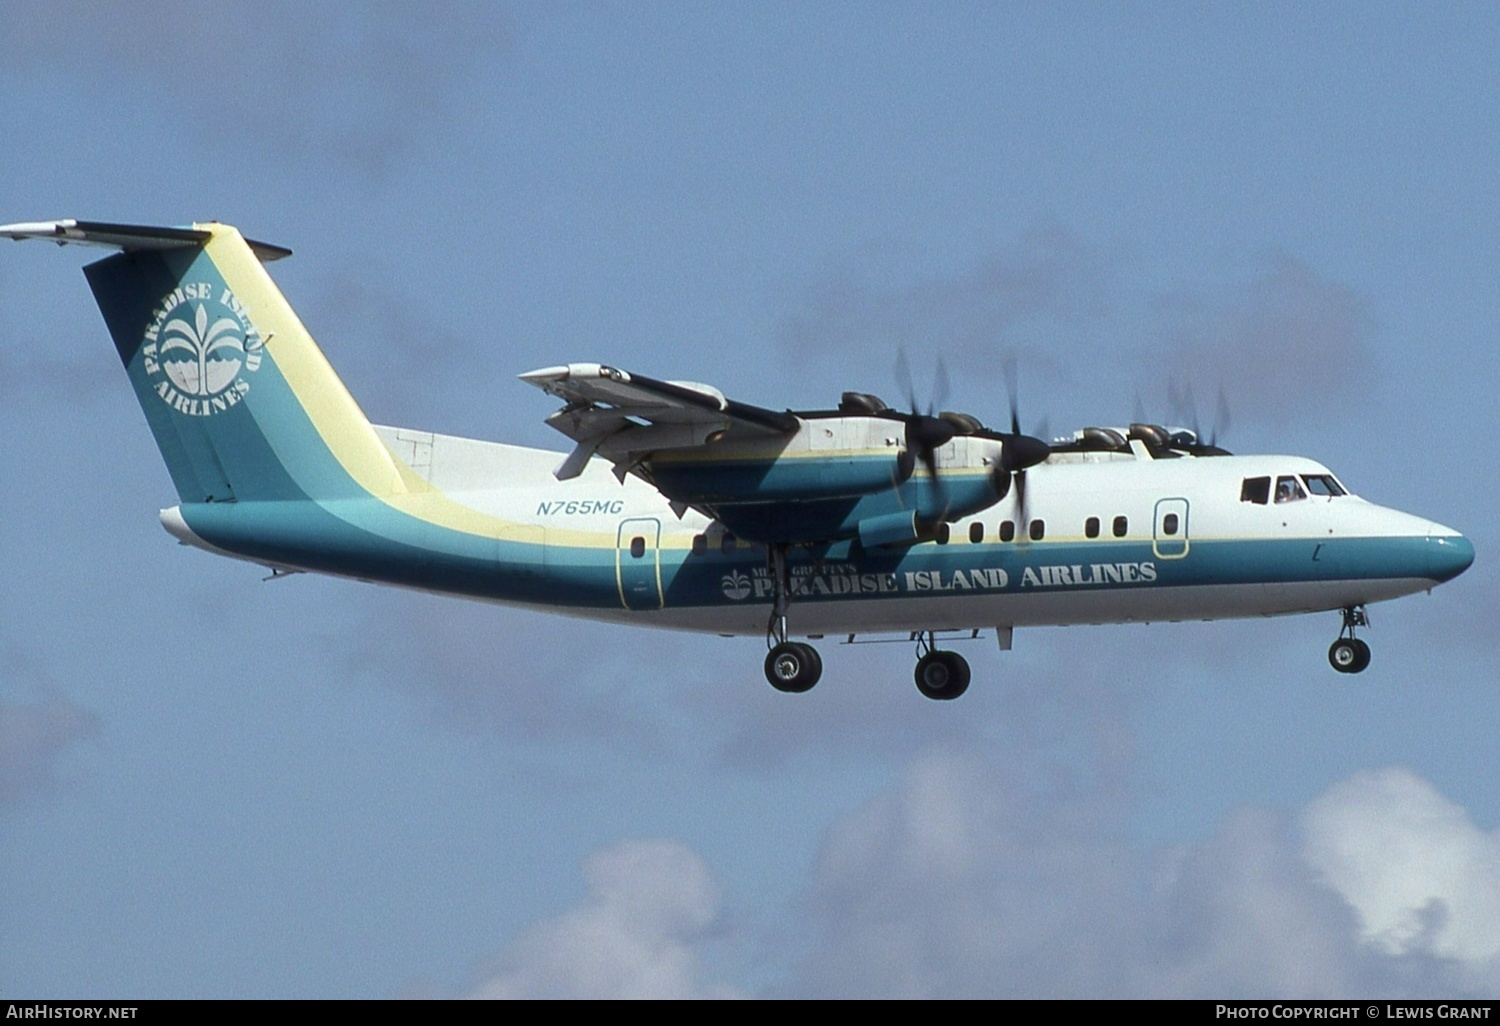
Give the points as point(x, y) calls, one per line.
point(929, 431)
point(1017, 451)
point(1184, 408)
point(926, 432)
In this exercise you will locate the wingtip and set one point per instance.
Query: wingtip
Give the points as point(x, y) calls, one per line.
point(545, 375)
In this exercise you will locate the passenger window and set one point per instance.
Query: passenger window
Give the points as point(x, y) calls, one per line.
point(727, 545)
point(976, 532)
point(1256, 489)
point(1323, 484)
point(943, 533)
point(1121, 525)
point(1091, 527)
point(1007, 530)
point(1169, 524)
point(700, 544)
point(1038, 529)
point(1288, 490)
point(637, 547)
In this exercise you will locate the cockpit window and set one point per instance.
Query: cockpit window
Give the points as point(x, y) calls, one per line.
point(1288, 490)
point(1256, 489)
point(1323, 484)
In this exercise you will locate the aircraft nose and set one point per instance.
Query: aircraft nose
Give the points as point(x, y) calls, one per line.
point(1448, 553)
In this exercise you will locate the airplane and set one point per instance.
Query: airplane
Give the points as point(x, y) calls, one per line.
point(680, 508)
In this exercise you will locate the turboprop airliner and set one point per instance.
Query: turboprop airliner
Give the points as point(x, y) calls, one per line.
point(677, 507)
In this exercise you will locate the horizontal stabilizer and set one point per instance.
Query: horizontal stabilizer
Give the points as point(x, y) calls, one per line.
point(128, 237)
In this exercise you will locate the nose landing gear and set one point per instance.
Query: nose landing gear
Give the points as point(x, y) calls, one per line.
point(1349, 654)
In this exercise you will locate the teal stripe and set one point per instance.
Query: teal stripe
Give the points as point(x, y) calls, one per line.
point(366, 538)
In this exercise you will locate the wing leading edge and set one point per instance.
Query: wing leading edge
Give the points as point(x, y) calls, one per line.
point(623, 416)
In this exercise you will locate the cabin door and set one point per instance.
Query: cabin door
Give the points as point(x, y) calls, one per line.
point(1169, 536)
point(638, 563)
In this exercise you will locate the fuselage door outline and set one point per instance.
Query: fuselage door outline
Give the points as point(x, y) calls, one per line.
point(1169, 531)
point(638, 563)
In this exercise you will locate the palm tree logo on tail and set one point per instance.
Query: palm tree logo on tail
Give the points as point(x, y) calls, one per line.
point(198, 349)
point(215, 353)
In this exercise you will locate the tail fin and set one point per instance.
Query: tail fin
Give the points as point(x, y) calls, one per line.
point(243, 404)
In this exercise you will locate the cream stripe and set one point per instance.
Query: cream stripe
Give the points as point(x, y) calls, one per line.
point(336, 416)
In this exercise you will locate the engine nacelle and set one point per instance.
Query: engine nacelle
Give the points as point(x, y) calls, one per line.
point(828, 459)
point(877, 493)
point(702, 479)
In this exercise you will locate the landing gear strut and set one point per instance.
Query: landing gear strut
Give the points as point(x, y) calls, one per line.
point(1349, 654)
point(940, 675)
point(791, 666)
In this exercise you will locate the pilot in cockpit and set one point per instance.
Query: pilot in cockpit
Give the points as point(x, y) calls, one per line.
point(1288, 490)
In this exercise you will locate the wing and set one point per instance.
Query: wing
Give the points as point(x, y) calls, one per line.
point(622, 416)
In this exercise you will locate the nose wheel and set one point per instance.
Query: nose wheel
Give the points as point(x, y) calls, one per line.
point(1349, 654)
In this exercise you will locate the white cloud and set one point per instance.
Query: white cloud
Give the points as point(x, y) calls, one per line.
point(958, 882)
point(1240, 915)
point(650, 906)
point(1417, 871)
point(961, 881)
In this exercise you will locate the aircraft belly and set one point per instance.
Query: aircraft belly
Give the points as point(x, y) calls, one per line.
point(900, 614)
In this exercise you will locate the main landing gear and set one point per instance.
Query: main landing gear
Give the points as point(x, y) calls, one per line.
point(940, 675)
point(791, 666)
point(795, 666)
point(1349, 654)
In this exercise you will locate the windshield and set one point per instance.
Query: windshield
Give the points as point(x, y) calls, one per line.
point(1323, 484)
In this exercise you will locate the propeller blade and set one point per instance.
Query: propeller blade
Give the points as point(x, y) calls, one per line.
point(924, 436)
point(1221, 419)
point(1002, 483)
point(1018, 451)
point(939, 387)
point(1013, 391)
point(903, 379)
point(1180, 405)
point(925, 431)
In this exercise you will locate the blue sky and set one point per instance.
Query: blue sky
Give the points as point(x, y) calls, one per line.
point(213, 786)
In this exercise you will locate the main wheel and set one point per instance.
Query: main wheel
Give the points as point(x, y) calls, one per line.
point(942, 675)
point(1349, 655)
point(793, 667)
